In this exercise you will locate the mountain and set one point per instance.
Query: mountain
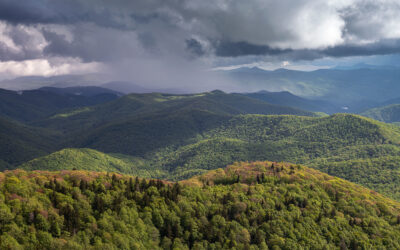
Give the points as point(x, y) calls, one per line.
point(30, 105)
point(348, 146)
point(365, 66)
point(88, 91)
point(245, 206)
point(389, 114)
point(356, 89)
point(88, 80)
point(184, 146)
point(61, 81)
point(129, 88)
point(177, 136)
point(39, 108)
point(285, 98)
point(391, 101)
point(20, 143)
point(86, 159)
point(133, 106)
point(179, 144)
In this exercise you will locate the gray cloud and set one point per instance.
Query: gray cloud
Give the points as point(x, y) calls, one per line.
point(234, 49)
point(234, 28)
point(93, 43)
point(383, 47)
point(194, 35)
point(194, 47)
point(19, 43)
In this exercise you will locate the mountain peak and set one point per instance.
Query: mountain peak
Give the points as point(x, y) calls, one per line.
point(254, 69)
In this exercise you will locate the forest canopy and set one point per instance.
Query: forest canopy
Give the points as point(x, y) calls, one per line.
point(260, 205)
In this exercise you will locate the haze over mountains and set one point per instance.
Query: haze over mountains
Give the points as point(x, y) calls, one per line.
point(355, 89)
point(70, 81)
point(342, 89)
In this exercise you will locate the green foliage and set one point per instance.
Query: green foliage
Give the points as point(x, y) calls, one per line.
point(86, 159)
point(389, 114)
point(179, 145)
point(257, 205)
point(31, 105)
point(179, 136)
point(286, 98)
point(20, 143)
point(381, 174)
point(156, 105)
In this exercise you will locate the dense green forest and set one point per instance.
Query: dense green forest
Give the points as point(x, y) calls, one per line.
point(286, 98)
point(177, 145)
point(389, 114)
point(178, 136)
point(20, 143)
point(89, 159)
point(140, 106)
point(32, 105)
point(261, 205)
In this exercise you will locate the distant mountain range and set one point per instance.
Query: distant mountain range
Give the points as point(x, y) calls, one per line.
point(354, 89)
point(342, 89)
point(366, 66)
point(87, 91)
point(129, 88)
point(69, 81)
point(62, 81)
point(286, 98)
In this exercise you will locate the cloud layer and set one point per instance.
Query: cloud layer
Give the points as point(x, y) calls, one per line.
point(197, 34)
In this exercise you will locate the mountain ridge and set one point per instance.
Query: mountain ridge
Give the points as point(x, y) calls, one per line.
point(246, 205)
point(389, 113)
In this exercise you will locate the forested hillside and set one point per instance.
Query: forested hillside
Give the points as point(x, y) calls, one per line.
point(177, 136)
point(19, 143)
point(31, 105)
point(261, 205)
point(88, 159)
point(135, 106)
point(50, 119)
point(179, 145)
point(286, 98)
point(186, 145)
point(389, 114)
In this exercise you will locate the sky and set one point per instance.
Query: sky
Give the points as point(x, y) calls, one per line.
point(179, 42)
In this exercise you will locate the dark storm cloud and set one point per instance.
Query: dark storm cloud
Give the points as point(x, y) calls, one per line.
point(297, 30)
point(23, 12)
point(103, 45)
point(40, 11)
point(234, 49)
point(69, 12)
point(194, 47)
point(384, 47)
point(379, 48)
